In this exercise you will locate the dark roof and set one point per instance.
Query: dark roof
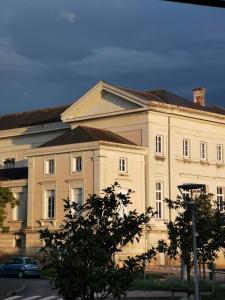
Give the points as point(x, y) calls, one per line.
point(50, 115)
point(29, 118)
point(83, 134)
point(13, 174)
point(164, 96)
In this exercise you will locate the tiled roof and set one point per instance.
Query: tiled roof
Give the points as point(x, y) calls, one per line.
point(83, 134)
point(164, 96)
point(13, 174)
point(29, 118)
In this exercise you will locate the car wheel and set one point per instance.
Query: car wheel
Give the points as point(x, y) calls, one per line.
point(20, 274)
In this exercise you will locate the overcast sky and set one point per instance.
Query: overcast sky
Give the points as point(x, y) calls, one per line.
point(52, 51)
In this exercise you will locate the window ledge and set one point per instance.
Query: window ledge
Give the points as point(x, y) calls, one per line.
point(186, 159)
point(76, 172)
point(123, 174)
point(204, 162)
point(219, 164)
point(160, 219)
point(42, 222)
point(160, 156)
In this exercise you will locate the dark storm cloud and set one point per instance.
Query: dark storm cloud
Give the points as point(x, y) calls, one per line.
point(51, 51)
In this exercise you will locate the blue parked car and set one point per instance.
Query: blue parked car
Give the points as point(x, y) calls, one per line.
point(21, 267)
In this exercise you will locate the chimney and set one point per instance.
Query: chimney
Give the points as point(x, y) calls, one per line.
point(199, 96)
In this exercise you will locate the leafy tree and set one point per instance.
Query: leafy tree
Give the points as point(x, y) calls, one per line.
point(6, 196)
point(81, 254)
point(210, 229)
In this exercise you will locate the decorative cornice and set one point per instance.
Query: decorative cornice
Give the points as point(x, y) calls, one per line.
point(187, 112)
point(111, 89)
point(105, 115)
point(83, 147)
point(125, 146)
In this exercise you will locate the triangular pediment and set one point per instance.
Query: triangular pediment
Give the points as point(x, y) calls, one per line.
point(100, 101)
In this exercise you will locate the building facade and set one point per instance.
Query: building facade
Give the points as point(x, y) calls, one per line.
point(148, 141)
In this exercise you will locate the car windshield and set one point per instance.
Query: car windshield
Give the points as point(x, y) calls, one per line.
point(30, 261)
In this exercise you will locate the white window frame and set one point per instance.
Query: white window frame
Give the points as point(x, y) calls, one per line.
point(77, 195)
point(50, 204)
point(77, 163)
point(123, 210)
point(159, 144)
point(50, 166)
point(203, 150)
point(123, 165)
point(220, 192)
point(19, 211)
point(219, 153)
point(186, 148)
point(159, 199)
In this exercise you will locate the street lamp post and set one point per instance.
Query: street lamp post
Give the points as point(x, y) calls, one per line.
point(190, 188)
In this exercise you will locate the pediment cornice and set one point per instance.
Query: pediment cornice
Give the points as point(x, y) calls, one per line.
point(101, 101)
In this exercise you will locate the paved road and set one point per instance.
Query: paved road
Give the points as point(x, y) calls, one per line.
point(39, 289)
point(34, 289)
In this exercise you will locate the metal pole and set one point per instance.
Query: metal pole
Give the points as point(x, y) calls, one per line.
point(192, 187)
point(195, 250)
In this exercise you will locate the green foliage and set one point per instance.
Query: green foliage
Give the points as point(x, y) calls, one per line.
point(210, 227)
point(6, 196)
point(81, 253)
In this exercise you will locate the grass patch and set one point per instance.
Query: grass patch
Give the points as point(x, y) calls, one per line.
point(150, 284)
point(155, 281)
point(166, 282)
point(155, 275)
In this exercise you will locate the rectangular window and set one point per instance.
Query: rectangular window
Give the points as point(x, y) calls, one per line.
point(159, 200)
point(203, 151)
point(18, 243)
point(19, 211)
point(123, 165)
point(77, 196)
point(50, 166)
point(77, 164)
point(219, 153)
point(159, 144)
point(186, 148)
point(123, 210)
point(50, 204)
point(220, 198)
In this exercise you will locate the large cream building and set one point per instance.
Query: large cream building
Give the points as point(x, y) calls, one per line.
point(149, 141)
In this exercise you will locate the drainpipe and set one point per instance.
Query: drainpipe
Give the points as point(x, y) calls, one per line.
point(169, 163)
point(93, 171)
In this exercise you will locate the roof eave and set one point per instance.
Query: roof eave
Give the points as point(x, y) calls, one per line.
point(79, 147)
point(111, 114)
point(176, 109)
